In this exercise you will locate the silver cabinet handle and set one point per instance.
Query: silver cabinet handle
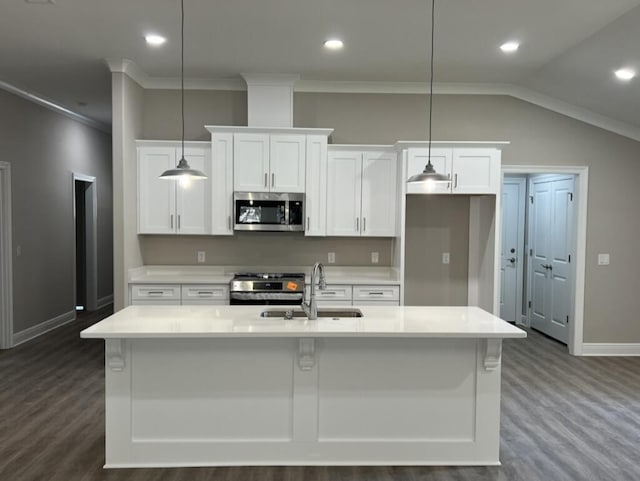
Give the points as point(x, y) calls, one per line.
point(455, 181)
point(307, 223)
point(205, 293)
point(376, 293)
point(154, 293)
point(229, 221)
point(171, 220)
point(327, 293)
point(364, 224)
point(265, 179)
point(273, 179)
point(178, 221)
point(357, 224)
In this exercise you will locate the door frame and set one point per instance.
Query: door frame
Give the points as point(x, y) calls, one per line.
point(576, 328)
point(91, 237)
point(6, 259)
point(522, 182)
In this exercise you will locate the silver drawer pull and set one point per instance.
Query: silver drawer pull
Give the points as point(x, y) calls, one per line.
point(376, 293)
point(205, 293)
point(328, 293)
point(155, 293)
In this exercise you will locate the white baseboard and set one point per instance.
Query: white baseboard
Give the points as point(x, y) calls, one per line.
point(611, 349)
point(105, 301)
point(46, 326)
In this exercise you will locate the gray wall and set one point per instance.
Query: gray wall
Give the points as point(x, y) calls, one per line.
point(44, 149)
point(538, 137)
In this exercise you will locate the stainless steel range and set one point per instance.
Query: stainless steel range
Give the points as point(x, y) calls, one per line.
point(251, 288)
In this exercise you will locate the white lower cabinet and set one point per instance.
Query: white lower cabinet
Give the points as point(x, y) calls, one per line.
point(357, 295)
point(155, 294)
point(177, 294)
point(215, 294)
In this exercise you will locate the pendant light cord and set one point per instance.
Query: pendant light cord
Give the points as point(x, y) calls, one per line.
point(433, 5)
point(182, 69)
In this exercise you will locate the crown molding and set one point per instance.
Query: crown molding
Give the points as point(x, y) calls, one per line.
point(439, 88)
point(51, 105)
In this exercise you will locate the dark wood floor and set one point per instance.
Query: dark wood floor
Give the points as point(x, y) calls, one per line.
point(563, 418)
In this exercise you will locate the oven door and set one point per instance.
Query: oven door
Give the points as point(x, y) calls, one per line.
point(265, 298)
point(263, 211)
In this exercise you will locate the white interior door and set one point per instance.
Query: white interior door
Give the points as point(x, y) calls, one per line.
point(512, 248)
point(551, 243)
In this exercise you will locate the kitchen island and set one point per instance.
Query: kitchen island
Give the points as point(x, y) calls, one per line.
point(220, 385)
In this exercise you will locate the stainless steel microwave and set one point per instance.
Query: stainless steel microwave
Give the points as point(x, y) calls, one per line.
point(265, 211)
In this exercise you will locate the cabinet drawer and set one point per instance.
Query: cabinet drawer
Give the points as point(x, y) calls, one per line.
point(377, 293)
point(203, 293)
point(335, 292)
point(152, 292)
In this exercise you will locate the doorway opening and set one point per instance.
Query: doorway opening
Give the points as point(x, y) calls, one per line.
point(6, 264)
point(85, 259)
point(542, 250)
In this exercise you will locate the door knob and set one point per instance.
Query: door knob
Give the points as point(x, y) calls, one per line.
point(547, 266)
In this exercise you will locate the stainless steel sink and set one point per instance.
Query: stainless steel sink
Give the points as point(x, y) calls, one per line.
point(322, 312)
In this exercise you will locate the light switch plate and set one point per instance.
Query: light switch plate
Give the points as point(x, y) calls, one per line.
point(331, 258)
point(603, 259)
point(375, 258)
point(446, 257)
point(201, 256)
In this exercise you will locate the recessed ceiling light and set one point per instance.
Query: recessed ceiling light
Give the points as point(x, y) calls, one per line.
point(334, 44)
point(155, 40)
point(509, 47)
point(625, 73)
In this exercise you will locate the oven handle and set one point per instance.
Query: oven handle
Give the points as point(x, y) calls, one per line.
point(271, 296)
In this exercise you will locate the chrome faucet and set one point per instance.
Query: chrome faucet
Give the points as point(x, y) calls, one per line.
point(311, 309)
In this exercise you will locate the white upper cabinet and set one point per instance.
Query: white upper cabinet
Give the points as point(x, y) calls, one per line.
point(476, 171)
point(222, 183)
point(287, 162)
point(344, 189)
point(316, 186)
point(166, 206)
point(470, 170)
point(251, 162)
point(379, 194)
point(361, 193)
point(269, 162)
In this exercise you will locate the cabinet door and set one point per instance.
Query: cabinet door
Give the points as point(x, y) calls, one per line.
point(475, 171)
point(193, 212)
point(417, 159)
point(221, 183)
point(156, 197)
point(287, 163)
point(251, 162)
point(379, 183)
point(316, 186)
point(344, 187)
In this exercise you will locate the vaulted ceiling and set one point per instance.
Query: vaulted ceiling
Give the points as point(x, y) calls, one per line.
point(569, 48)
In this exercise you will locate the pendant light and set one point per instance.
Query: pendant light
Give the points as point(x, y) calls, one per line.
point(429, 174)
point(183, 171)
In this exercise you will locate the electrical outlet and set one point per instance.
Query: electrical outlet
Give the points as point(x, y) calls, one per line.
point(19, 250)
point(331, 258)
point(603, 259)
point(446, 257)
point(201, 256)
point(375, 258)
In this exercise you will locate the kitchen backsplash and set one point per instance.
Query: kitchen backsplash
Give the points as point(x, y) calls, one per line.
point(264, 248)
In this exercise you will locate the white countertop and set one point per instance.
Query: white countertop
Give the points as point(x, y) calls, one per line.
point(245, 321)
point(223, 274)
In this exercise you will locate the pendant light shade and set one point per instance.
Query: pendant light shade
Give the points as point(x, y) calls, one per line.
point(429, 174)
point(183, 170)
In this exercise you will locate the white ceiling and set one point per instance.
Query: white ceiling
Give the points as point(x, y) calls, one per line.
point(569, 47)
